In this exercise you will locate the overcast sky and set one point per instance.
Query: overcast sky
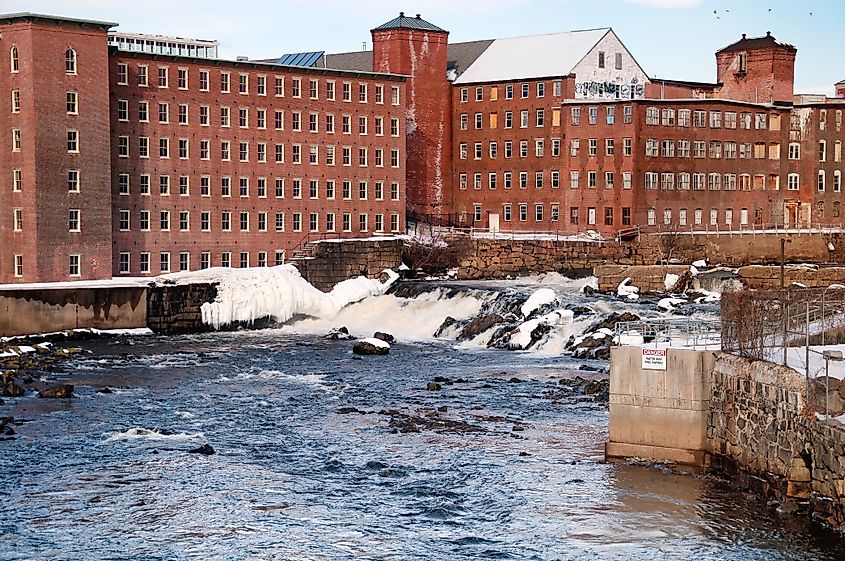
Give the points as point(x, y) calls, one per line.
point(669, 38)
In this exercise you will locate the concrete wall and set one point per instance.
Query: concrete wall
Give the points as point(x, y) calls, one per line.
point(659, 415)
point(28, 311)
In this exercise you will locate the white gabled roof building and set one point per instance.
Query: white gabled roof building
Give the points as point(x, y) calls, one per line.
point(601, 64)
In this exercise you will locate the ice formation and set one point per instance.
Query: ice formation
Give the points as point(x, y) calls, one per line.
point(278, 293)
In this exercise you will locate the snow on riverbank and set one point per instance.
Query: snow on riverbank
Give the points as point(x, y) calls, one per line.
point(278, 293)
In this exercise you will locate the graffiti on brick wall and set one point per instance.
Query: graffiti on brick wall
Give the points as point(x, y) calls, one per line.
point(609, 90)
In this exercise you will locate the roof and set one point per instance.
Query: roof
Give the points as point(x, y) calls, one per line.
point(535, 56)
point(460, 56)
point(403, 22)
point(686, 83)
point(8, 18)
point(300, 59)
point(749, 44)
point(263, 64)
point(842, 81)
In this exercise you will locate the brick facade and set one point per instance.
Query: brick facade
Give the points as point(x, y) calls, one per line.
point(206, 162)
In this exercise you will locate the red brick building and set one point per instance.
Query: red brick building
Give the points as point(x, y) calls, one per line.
point(142, 157)
point(137, 163)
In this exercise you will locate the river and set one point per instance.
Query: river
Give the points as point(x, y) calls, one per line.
point(312, 462)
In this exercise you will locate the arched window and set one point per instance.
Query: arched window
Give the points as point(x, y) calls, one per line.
point(819, 210)
point(70, 61)
point(836, 209)
point(13, 55)
point(651, 216)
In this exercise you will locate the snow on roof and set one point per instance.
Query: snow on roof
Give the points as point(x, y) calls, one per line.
point(535, 56)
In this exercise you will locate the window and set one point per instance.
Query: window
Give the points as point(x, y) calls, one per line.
point(224, 82)
point(730, 120)
point(123, 146)
point(822, 150)
point(243, 84)
point(394, 95)
point(203, 81)
point(794, 151)
point(574, 179)
point(601, 59)
point(699, 118)
point(17, 180)
point(72, 141)
point(792, 182)
point(608, 216)
point(820, 181)
point(122, 109)
point(610, 115)
point(144, 111)
point(715, 119)
point(760, 121)
point(163, 113)
point(313, 89)
point(164, 261)
point(142, 75)
point(73, 265)
point(668, 117)
point(837, 182)
point(164, 147)
point(182, 78)
point(17, 217)
point(73, 222)
point(280, 221)
point(593, 115)
point(627, 114)
point(162, 76)
point(575, 116)
point(13, 59)
point(362, 93)
point(652, 116)
point(70, 61)
point(591, 216)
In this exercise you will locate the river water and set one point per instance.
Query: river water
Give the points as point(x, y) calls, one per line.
point(297, 476)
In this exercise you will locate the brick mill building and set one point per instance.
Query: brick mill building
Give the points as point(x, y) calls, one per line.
point(130, 154)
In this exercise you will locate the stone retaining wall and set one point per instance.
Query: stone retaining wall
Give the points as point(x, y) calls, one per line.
point(760, 432)
point(177, 308)
point(501, 258)
point(497, 258)
point(648, 278)
point(337, 260)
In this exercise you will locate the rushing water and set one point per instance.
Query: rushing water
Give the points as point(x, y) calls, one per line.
point(297, 477)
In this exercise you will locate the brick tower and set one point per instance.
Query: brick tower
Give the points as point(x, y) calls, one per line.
point(756, 69)
point(55, 160)
point(417, 48)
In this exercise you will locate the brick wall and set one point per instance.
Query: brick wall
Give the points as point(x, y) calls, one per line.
point(274, 236)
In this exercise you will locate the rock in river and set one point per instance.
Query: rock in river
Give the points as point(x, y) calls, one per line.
point(61, 391)
point(371, 346)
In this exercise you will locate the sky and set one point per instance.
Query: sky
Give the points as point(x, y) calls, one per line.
point(673, 39)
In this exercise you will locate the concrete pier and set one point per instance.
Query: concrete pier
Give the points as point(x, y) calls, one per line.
point(659, 404)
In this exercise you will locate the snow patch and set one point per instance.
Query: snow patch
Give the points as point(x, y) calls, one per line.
point(627, 290)
point(376, 342)
point(669, 304)
point(670, 281)
point(539, 298)
point(701, 263)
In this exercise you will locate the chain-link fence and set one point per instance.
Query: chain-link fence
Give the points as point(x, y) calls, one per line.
point(798, 327)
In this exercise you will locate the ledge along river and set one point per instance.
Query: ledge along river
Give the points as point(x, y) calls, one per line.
point(321, 455)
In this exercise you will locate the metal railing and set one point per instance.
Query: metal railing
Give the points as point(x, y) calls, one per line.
point(686, 333)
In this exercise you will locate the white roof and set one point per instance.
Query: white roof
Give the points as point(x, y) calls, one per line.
point(535, 56)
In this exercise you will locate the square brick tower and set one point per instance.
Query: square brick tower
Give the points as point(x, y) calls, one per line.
point(417, 48)
point(757, 69)
point(55, 166)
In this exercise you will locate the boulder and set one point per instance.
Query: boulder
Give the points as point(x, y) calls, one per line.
point(11, 389)
point(447, 323)
point(433, 386)
point(205, 450)
point(386, 337)
point(339, 334)
point(371, 347)
point(61, 391)
point(479, 325)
